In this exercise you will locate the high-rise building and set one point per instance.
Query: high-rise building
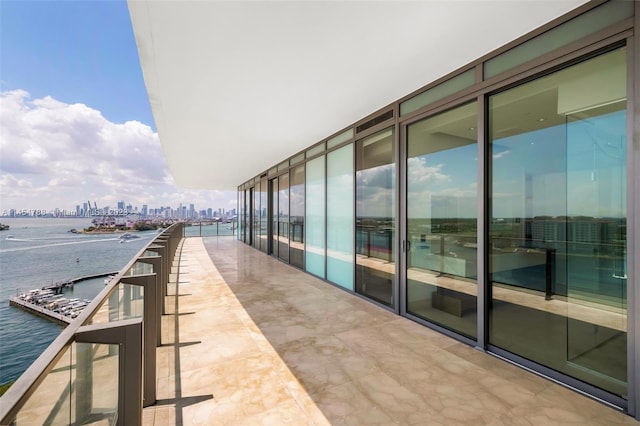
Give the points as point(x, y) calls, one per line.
point(471, 166)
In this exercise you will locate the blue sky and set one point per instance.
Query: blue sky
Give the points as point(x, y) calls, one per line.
point(75, 51)
point(75, 117)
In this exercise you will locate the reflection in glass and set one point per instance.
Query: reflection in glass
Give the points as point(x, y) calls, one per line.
point(442, 219)
point(296, 216)
point(557, 229)
point(340, 216)
point(315, 229)
point(281, 229)
point(375, 216)
point(255, 242)
point(264, 219)
point(81, 388)
point(274, 216)
point(247, 217)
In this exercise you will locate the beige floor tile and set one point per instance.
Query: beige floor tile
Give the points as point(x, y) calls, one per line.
point(256, 342)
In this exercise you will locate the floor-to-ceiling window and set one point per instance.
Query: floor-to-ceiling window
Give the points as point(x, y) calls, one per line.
point(282, 218)
point(315, 217)
point(296, 216)
point(375, 216)
point(442, 169)
point(274, 184)
point(340, 216)
point(255, 218)
point(264, 218)
point(557, 222)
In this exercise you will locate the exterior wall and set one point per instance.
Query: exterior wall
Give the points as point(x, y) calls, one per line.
point(518, 237)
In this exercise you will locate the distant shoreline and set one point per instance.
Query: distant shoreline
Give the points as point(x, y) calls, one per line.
point(103, 231)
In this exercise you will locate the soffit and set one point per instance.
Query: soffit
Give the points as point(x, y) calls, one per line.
point(236, 87)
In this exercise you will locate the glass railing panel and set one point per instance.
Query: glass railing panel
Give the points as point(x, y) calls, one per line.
point(95, 390)
point(51, 403)
point(192, 229)
point(225, 229)
point(140, 268)
point(211, 229)
point(125, 302)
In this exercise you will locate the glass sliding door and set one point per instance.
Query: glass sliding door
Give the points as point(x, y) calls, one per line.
point(315, 217)
point(282, 218)
point(247, 216)
point(264, 218)
point(274, 216)
point(375, 216)
point(442, 253)
point(557, 231)
point(296, 216)
point(255, 200)
point(340, 216)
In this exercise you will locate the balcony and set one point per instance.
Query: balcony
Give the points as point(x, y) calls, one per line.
point(245, 339)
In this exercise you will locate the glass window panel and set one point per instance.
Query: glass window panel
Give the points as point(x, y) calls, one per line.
point(264, 219)
point(442, 171)
point(273, 171)
point(442, 90)
point(581, 26)
point(340, 216)
point(275, 192)
point(375, 216)
point(296, 216)
point(282, 228)
point(342, 137)
point(315, 221)
point(240, 214)
point(297, 159)
point(315, 150)
point(256, 216)
point(557, 229)
point(247, 216)
point(283, 166)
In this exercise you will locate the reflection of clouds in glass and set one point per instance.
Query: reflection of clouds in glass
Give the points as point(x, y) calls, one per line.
point(443, 184)
point(379, 177)
point(375, 191)
point(501, 154)
point(297, 200)
point(420, 173)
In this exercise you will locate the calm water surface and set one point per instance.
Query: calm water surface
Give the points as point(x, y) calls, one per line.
point(40, 252)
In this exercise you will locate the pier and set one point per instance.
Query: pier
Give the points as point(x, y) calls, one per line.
point(24, 303)
point(58, 287)
point(39, 310)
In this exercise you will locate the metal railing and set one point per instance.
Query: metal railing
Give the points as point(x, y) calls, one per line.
point(102, 366)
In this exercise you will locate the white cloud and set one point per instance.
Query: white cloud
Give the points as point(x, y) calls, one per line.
point(55, 154)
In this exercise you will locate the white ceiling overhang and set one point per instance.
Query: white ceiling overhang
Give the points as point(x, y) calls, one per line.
point(237, 86)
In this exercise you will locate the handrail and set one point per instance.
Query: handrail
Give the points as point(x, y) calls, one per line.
point(27, 384)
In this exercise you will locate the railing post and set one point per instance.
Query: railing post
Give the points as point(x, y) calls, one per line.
point(150, 331)
point(128, 334)
point(156, 263)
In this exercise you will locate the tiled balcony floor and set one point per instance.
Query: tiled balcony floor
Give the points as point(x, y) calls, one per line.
point(257, 342)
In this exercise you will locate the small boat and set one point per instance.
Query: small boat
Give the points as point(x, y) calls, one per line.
point(128, 236)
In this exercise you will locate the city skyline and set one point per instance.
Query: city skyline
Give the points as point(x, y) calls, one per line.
point(76, 123)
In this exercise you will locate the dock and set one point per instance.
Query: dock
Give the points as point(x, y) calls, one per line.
point(39, 310)
point(20, 301)
point(58, 287)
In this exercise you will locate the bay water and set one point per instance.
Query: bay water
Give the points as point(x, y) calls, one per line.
point(36, 252)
